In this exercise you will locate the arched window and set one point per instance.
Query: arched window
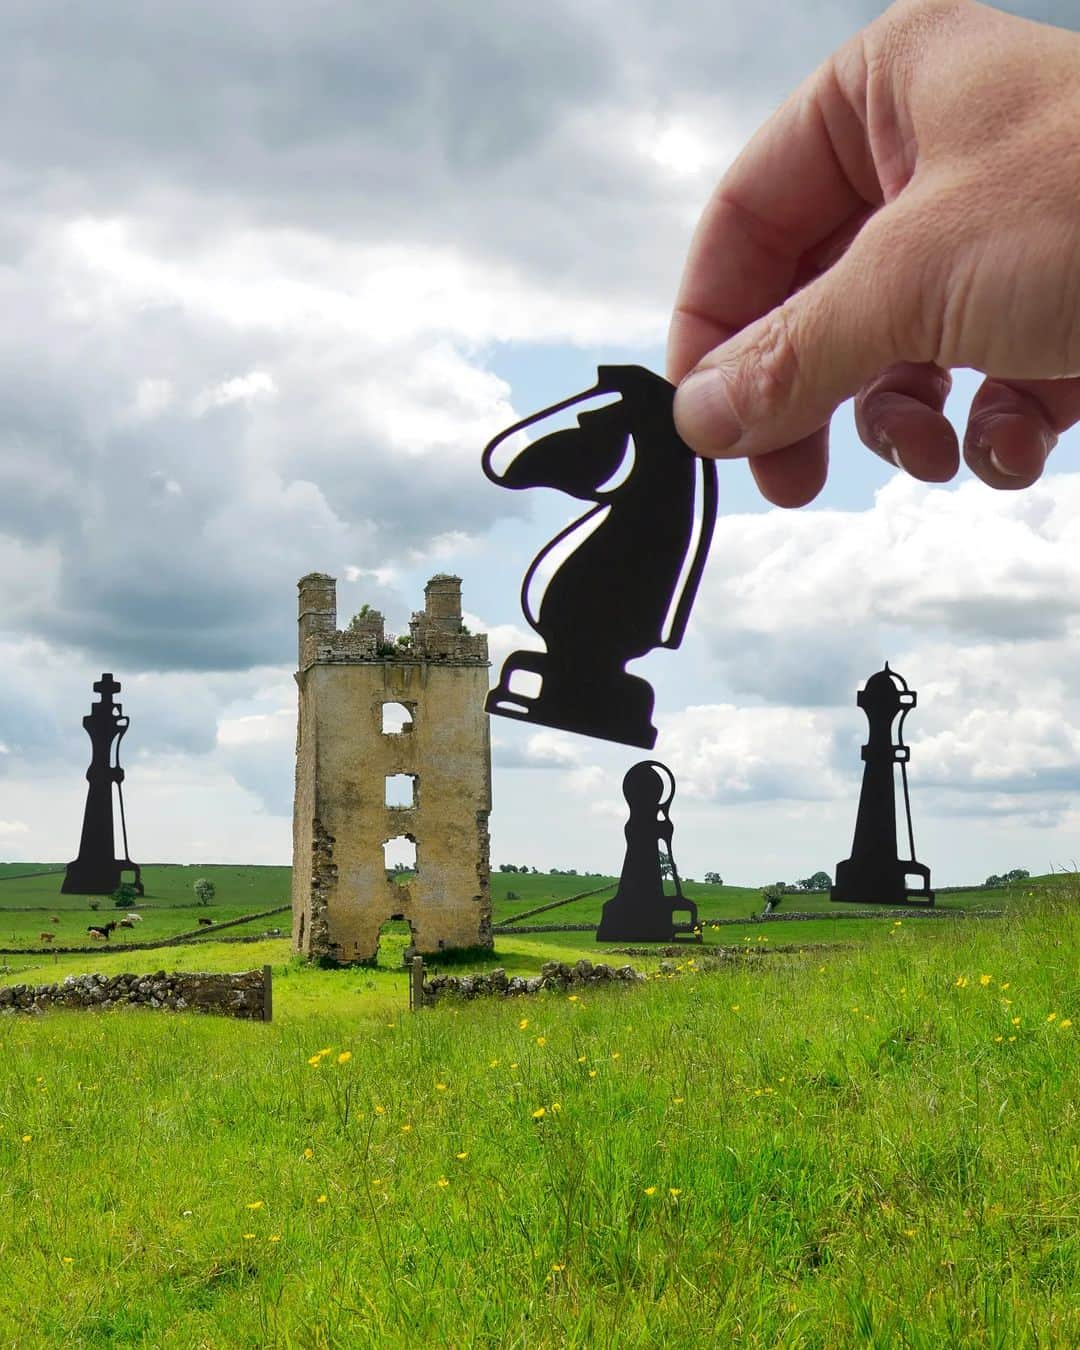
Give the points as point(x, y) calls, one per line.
point(396, 719)
point(399, 855)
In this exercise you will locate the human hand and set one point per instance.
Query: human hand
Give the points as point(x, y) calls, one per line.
point(914, 206)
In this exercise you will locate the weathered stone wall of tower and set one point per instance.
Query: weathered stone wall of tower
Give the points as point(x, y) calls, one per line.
point(341, 894)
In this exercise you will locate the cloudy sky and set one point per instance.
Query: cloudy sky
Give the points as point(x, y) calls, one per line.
point(273, 273)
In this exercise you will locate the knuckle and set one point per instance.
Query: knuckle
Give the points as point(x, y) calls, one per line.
point(768, 374)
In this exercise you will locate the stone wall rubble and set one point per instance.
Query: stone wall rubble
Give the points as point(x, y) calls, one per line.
point(553, 975)
point(243, 995)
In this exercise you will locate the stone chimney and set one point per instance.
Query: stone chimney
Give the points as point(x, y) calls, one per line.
point(318, 607)
point(442, 603)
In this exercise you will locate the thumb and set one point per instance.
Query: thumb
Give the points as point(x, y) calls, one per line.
point(782, 377)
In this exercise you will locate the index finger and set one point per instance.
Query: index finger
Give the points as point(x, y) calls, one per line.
point(806, 177)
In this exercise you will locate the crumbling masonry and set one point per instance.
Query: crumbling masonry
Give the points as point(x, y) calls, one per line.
point(437, 676)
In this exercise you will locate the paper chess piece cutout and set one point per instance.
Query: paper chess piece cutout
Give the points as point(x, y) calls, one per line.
point(628, 584)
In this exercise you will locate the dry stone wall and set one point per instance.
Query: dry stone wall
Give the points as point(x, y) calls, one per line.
point(553, 975)
point(245, 995)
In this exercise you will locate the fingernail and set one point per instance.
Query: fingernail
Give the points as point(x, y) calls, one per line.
point(1000, 468)
point(703, 413)
point(891, 450)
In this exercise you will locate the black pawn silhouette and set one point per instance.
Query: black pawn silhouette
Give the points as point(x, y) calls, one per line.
point(875, 873)
point(639, 911)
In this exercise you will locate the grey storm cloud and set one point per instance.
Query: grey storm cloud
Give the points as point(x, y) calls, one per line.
point(142, 528)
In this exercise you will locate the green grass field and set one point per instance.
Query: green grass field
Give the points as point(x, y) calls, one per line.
point(875, 1142)
point(856, 1147)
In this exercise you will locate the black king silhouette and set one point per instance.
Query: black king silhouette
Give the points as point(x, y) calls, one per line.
point(97, 870)
point(629, 581)
point(874, 874)
point(640, 911)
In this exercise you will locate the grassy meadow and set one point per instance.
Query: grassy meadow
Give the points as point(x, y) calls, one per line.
point(874, 1142)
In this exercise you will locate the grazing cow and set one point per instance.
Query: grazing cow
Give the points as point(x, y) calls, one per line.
point(206, 923)
point(126, 923)
point(101, 931)
point(135, 918)
point(54, 918)
point(46, 937)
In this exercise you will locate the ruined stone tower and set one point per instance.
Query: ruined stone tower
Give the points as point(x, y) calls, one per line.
point(374, 714)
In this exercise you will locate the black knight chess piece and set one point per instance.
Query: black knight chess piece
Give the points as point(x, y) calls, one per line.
point(875, 874)
point(628, 582)
point(97, 870)
point(640, 911)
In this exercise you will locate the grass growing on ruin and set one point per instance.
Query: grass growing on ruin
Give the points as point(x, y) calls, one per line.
point(878, 1145)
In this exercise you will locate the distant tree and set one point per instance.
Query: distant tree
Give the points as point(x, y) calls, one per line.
point(535, 871)
point(714, 878)
point(1017, 874)
point(125, 895)
point(994, 880)
point(95, 904)
point(512, 895)
point(204, 891)
point(820, 881)
point(772, 895)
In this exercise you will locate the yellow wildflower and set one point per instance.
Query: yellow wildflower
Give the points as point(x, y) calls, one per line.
point(255, 1204)
point(344, 1057)
point(67, 1260)
point(581, 1059)
point(984, 980)
point(442, 1183)
point(248, 1237)
point(674, 1192)
point(405, 1129)
point(616, 1054)
point(558, 1266)
point(1051, 1017)
point(998, 1040)
point(315, 1061)
point(677, 1101)
point(514, 1065)
point(541, 1040)
point(1015, 1021)
point(461, 1156)
point(556, 1107)
point(650, 1190)
point(572, 998)
point(380, 1110)
point(274, 1237)
point(320, 1200)
point(523, 1024)
point(1065, 1022)
point(309, 1153)
point(440, 1087)
point(539, 1113)
point(26, 1138)
point(494, 1064)
point(961, 982)
point(592, 1073)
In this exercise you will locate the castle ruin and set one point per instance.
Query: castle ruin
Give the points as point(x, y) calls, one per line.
point(392, 744)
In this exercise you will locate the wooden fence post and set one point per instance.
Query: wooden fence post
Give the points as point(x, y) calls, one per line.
point(416, 984)
point(268, 993)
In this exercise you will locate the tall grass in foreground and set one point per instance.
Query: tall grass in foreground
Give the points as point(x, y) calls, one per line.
point(874, 1147)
